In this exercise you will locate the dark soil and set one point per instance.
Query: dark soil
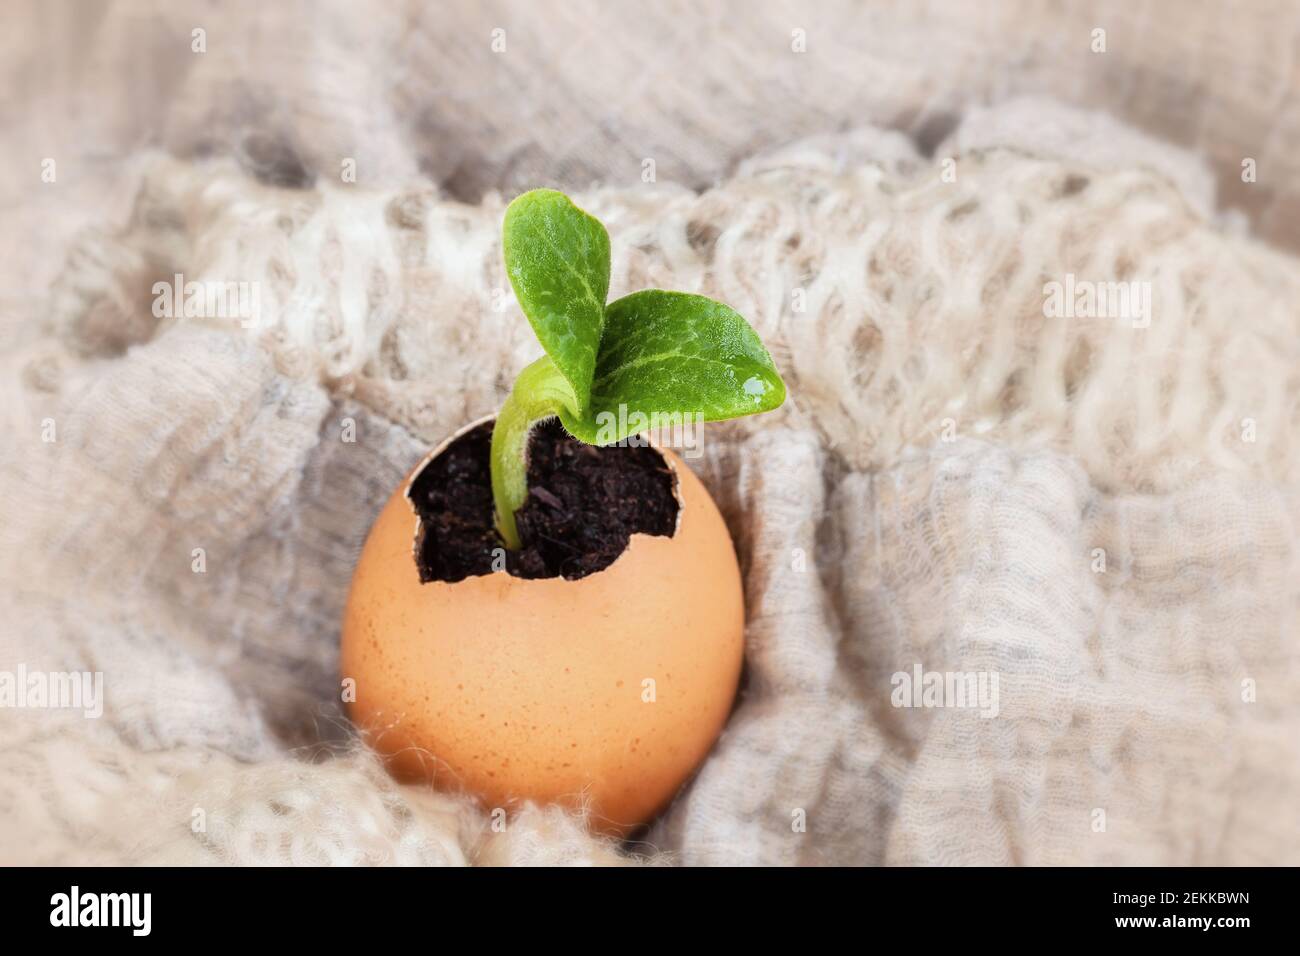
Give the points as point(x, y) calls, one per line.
point(584, 504)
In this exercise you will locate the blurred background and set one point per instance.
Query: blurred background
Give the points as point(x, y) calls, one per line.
point(582, 92)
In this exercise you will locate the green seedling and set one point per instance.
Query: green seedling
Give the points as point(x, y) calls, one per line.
point(654, 353)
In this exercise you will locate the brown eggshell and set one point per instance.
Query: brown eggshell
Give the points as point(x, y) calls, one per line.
point(515, 689)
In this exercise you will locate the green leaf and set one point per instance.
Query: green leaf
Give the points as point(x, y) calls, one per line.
point(673, 352)
point(557, 257)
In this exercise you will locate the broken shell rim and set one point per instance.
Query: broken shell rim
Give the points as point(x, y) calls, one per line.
point(443, 445)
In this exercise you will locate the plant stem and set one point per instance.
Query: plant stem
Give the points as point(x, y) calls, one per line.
point(539, 393)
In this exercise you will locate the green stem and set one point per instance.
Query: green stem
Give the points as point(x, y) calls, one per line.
point(539, 393)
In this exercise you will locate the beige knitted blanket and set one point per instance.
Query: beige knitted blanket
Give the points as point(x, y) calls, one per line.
point(1094, 515)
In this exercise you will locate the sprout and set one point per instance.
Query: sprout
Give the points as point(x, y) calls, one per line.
point(653, 353)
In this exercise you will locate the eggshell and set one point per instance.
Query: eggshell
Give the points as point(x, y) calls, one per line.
point(604, 692)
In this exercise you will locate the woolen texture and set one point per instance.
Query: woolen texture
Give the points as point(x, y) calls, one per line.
point(933, 493)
